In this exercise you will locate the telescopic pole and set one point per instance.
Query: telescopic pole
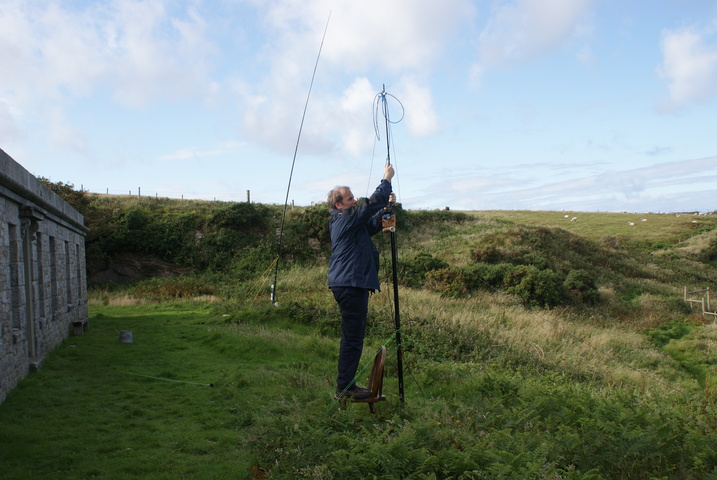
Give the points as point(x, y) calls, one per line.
point(397, 315)
point(390, 226)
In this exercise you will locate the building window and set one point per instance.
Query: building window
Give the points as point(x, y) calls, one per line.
point(53, 276)
point(41, 307)
point(68, 273)
point(16, 303)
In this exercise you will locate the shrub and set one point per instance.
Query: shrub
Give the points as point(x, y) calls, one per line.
point(243, 217)
point(413, 272)
point(535, 259)
point(581, 286)
point(484, 276)
point(448, 282)
point(487, 254)
point(249, 262)
point(316, 218)
point(430, 218)
point(138, 231)
point(535, 287)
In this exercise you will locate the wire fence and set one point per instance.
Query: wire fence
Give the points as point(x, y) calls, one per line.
point(140, 193)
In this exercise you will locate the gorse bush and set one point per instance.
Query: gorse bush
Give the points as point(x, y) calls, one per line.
point(581, 287)
point(414, 271)
point(550, 248)
point(448, 282)
point(536, 287)
point(486, 276)
point(437, 219)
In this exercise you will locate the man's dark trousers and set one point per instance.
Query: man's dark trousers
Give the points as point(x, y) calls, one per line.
point(353, 303)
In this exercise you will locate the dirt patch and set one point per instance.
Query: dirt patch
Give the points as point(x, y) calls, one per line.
point(129, 267)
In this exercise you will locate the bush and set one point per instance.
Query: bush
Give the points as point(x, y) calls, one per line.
point(316, 218)
point(248, 263)
point(244, 217)
point(581, 286)
point(138, 231)
point(534, 259)
point(448, 282)
point(487, 254)
point(484, 276)
point(535, 287)
point(413, 272)
point(429, 218)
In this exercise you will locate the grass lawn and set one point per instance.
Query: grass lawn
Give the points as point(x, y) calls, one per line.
point(99, 408)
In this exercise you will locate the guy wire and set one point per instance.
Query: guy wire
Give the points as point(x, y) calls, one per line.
point(293, 162)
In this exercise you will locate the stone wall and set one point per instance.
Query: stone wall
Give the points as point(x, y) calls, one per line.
point(43, 287)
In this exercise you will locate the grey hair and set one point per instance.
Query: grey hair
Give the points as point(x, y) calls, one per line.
point(335, 195)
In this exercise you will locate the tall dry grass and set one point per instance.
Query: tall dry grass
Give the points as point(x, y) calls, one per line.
point(607, 355)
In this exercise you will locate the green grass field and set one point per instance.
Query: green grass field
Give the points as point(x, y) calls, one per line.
point(224, 385)
point(247, 394)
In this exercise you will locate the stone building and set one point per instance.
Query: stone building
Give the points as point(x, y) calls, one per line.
point(43, 288)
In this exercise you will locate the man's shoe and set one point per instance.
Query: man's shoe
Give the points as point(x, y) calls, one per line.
point(354, 392)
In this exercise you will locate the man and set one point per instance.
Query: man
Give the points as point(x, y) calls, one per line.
point(353, 272)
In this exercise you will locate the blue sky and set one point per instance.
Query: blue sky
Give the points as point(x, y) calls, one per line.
point(576, 105)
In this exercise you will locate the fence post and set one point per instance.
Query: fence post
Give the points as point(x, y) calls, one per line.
point(707, 294)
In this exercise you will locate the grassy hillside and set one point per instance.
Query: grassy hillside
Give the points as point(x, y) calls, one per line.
point(535, 346)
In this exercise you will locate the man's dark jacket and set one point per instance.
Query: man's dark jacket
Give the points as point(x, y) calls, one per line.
point(354, 257)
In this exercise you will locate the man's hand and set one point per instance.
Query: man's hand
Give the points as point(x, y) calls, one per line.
point(388, 172)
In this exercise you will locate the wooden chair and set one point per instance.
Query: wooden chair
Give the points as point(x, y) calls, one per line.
point(375, 381)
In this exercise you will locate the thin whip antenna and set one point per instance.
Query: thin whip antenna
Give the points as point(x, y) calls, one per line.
point(293, 162)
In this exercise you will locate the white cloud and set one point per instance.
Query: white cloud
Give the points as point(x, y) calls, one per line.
point(402, 39)
point(396, 35)
point(137, 50)
point(353, 107)
point(154, 54)
point(524, 30)
point(689, 66)
point(421, 117)
point(647, 188)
